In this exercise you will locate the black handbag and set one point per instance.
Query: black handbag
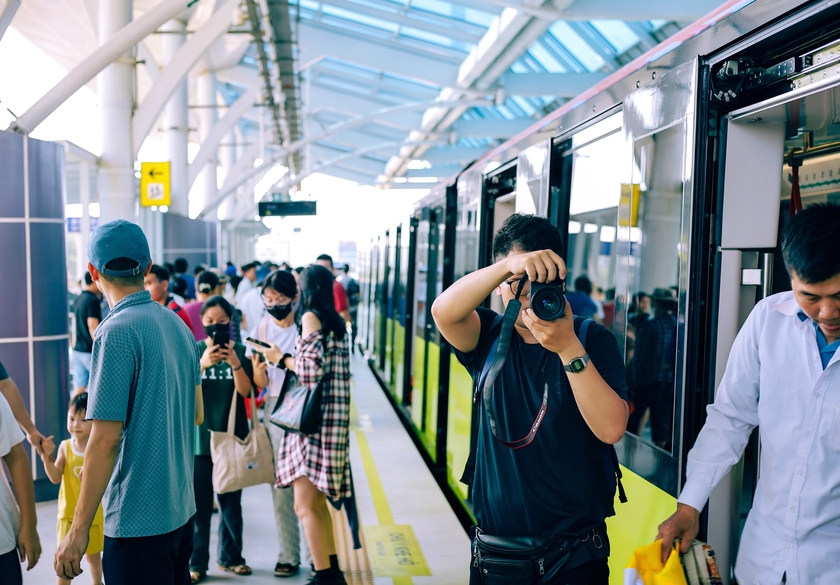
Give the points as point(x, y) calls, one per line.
point(520, 560)
point(298, 408)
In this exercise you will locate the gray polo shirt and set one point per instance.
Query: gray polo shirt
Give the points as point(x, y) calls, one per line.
point(144, 348)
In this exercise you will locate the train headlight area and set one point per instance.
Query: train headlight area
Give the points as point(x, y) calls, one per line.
point(670, 180)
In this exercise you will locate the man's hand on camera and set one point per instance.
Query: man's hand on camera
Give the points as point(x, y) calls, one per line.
point(557, 336)
point(541, 266)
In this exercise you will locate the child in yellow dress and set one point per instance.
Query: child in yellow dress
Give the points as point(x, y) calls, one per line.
point(66, 467)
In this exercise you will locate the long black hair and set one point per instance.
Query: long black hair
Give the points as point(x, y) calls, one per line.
point(316, 288)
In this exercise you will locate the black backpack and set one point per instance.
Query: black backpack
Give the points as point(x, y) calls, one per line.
point(611, 467)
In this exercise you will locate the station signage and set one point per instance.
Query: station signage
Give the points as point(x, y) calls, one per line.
point(155, 184)
point(283, 208)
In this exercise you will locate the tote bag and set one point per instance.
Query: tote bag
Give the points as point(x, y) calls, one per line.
point(240, 463)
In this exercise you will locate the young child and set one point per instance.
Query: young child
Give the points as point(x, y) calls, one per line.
point(18, 537)
point(66, 467)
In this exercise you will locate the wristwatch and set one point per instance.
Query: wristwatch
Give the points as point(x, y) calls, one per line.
point(578, 364)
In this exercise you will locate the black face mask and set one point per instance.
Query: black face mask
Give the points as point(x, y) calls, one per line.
point(210, 330)
point(279, 312)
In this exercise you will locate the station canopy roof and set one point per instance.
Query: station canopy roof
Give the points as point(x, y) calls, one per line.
point(397, 93)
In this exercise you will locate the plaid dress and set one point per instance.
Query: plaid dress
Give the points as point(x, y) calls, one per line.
point(323, 458)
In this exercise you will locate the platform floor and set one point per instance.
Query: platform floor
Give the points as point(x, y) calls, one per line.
point(394, 489)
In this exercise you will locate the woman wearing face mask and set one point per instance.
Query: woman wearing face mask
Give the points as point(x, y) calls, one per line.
point(278, 329)
point(224, 370)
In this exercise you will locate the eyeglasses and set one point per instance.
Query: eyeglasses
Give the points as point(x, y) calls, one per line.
point(514, 287)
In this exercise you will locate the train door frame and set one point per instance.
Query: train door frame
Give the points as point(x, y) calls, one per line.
point(382, 333)
point(408, 356)
point(395, 297)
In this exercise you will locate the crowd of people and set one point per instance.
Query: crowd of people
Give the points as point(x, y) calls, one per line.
point(160, 364)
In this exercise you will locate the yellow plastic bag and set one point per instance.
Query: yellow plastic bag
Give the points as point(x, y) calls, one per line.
point(645, 567)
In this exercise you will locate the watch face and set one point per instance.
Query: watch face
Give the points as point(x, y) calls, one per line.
point(577, 365)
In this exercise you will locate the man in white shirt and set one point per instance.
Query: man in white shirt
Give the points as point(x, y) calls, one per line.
point(249, 280)
point(782, 376)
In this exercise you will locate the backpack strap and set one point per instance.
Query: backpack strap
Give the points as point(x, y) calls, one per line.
point(582, 328)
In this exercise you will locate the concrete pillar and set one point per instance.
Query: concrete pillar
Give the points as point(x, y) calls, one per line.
point(115, 84)
point(176, 120)
point(84, 227)
point(207, 118)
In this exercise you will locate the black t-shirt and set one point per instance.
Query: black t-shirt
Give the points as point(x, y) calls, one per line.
point(558, 484)
point(86, 305)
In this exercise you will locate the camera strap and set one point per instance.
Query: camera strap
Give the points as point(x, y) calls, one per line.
point(488, 377)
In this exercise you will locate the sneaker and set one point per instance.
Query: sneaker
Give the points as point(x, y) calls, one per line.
point(285, 570)
point(335, 577)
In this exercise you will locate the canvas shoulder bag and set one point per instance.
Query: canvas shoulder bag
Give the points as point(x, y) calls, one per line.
point(240, 463)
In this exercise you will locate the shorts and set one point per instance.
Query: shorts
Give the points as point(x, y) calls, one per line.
point(97, 536)
point(81, 369)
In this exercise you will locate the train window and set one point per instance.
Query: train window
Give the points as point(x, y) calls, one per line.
point(593, 220)
point(650, 231)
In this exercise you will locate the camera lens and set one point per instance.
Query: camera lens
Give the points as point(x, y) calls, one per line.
point(547, 301)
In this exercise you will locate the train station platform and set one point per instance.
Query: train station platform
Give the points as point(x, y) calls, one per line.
point(410, 534)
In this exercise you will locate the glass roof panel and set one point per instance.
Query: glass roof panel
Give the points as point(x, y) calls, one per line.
point(360, 18)
point(617, 33)
point(545, 59)
point(576, 45)
point(461, 13)
point(436, 39)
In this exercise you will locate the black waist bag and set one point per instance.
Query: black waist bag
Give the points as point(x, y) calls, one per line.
point(520, 560)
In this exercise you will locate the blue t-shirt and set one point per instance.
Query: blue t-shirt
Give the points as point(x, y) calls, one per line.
point(145, 348)
point(557, 484)
point(582, 304)
point(827, 350)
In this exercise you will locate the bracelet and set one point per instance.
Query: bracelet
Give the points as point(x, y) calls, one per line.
point(239, 368)
point(282, 363)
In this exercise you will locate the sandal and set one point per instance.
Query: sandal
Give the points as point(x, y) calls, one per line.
point(242, 569)
point(197, 576)
point(285, 569)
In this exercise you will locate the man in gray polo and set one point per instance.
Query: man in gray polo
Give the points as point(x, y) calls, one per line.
point(145, 397)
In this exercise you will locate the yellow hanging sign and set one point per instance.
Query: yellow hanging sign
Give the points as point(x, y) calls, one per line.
point(155, 184)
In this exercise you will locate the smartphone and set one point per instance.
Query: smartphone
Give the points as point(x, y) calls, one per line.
point(221, 337)
point(257, 343)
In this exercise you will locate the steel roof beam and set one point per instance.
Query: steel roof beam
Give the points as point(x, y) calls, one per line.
point(561, 85)
point(453, 32)
point(288, 181)
point(207, 150)
point(186, 57)
point(317, 42)
point(99, 59)
point(610, 9)
point(7, 14)
point(490, 128)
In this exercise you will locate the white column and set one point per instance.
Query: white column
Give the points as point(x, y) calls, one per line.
point(207, 118)
point(115, 84)
point(84, 227)
point(176, 120)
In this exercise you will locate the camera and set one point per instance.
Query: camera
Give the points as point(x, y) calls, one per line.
point(548, 301)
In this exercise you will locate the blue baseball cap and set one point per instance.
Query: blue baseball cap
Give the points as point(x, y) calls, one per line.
point(119, 239)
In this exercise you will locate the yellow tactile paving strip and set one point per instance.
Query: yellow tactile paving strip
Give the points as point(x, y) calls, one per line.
point(354, 563)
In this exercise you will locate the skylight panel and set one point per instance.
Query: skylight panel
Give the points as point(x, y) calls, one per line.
point(617, 33)
point(576, 45)
point(360, 18)
point(545, 59)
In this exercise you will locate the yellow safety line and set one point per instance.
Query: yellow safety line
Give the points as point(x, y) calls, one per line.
point(377, 492)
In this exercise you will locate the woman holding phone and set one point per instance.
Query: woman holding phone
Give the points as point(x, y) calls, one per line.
point(224, 370)
point(268, 342)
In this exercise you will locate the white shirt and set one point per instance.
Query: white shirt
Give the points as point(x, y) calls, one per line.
point(774, 379)
point(252, 306)
point(244, 286)
point(284, 338)
point(10, 435)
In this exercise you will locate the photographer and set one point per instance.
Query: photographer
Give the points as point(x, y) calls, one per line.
point(554, 486)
